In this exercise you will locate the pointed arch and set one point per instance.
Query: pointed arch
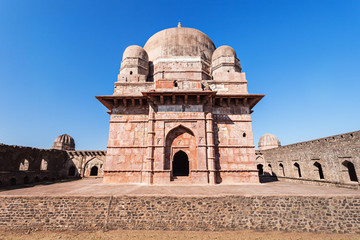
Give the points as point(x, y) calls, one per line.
point(297, 167)
point(351, 171)
point(319, 170)
point(179, 138)
point(180, 164)
point(282, 169)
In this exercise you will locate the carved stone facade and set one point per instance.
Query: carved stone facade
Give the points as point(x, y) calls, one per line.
point(180, 112)
point(333, 160)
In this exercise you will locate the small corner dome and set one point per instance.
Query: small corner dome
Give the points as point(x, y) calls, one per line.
point(135, 51)
point(223, 51)
point(268, 141)
point(65, 139)
point(64, 142)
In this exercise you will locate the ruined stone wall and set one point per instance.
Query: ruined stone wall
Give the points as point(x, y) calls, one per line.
point(286, 213)
point(86, 163)
point(19, 165)
point(338, 157)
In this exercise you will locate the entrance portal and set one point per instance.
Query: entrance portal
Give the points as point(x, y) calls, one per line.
point(180, 164)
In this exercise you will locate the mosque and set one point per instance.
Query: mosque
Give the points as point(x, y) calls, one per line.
point(180, 112)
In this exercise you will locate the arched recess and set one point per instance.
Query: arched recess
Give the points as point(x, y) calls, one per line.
point(180, 138)
point(351, 170)
point(297, 167)
point(89, 167)
point(282, 169)
point(319, 170)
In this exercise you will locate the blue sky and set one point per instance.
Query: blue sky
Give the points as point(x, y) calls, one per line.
point(55, 56)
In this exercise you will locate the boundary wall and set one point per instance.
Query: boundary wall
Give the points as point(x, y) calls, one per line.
point(333, 160)
point(337, 214)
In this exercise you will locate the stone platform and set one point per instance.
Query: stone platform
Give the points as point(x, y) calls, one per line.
point(95, 187)
point(91, 205)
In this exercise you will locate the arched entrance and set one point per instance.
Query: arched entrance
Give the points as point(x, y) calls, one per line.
point(180, 164)
point(94, 171)
point(180, 153)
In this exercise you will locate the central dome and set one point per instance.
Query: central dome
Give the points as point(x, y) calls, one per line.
point(179, 41)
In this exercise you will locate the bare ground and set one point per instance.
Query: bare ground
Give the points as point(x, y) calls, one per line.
point(142, 234)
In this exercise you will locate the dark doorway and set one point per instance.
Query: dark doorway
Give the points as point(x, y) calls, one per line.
point(72, 171)
point(318, 166)
point(94, 171)
point(260, 169)
point(352, 172)
point(297, 166)
point(180, 164)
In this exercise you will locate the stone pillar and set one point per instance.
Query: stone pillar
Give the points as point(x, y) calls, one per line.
point(148, 165)
point(210, 145)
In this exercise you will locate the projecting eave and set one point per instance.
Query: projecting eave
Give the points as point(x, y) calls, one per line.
point(252, 99)
point(109, 101)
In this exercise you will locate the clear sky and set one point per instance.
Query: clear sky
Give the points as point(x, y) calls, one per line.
point(55, 56)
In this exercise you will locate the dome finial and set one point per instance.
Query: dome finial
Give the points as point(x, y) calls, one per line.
point(179, 24)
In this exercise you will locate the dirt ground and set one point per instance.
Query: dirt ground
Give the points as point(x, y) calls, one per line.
point(127, 234)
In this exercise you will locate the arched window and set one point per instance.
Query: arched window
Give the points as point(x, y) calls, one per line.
point(24, 166)
point(319, 169)
point(44, 165)
point(282, 169)
point(260, 169)
point(297, 166)
point(351, 171)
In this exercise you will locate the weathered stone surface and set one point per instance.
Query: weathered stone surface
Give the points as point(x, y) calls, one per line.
point(191, 106)
point(22, 165)
point(314, 214)
point(333, 160)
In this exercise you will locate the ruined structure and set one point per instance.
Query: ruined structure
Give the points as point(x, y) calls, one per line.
point(79, 163)
point(180, 112)
point(333, 160)
point(23, 165)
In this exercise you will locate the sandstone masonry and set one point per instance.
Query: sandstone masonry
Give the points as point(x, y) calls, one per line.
point(292, 213)
point(333, 160)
